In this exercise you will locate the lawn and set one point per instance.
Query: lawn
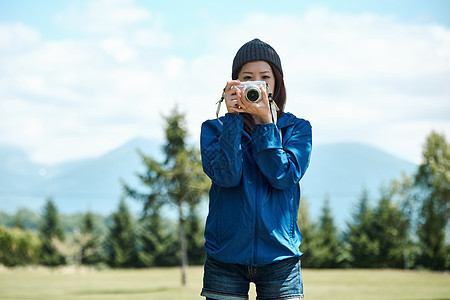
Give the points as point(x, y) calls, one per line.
point(164, 283)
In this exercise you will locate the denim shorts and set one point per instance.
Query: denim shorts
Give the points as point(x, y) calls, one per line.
point(279, 280)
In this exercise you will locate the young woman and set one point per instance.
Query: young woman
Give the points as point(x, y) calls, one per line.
point(255, 167)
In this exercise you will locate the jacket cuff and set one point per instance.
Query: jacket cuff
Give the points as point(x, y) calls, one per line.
point(232, 129)
point(231, 121)
point(266, 136)
point(233, 117)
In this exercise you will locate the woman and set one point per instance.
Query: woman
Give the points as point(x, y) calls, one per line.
point(255, 167)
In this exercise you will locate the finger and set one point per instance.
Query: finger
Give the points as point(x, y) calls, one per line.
point(232, 90)
point(244, 106)
point(237, 109)
point(264, 94)
point(240, 101)
point(230, 93)
point(231, 105)
point(234, 106)
point(230, 97)
point(233, 98)
point(230, 84)
point(239, 95)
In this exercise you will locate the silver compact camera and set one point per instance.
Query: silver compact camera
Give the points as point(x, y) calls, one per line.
point(252, 90)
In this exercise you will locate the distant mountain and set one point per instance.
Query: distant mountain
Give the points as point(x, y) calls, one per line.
point(19, 176)
point(76, 186)
point(94, 184)
point(338, 170)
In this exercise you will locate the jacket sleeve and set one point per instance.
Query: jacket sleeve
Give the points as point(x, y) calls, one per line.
point(221, 150)
point(282, 166)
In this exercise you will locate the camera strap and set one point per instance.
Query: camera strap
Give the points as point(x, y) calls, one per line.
point(219, 103)
point(273, 111)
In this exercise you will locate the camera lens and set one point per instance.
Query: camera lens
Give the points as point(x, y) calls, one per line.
point(253, 94)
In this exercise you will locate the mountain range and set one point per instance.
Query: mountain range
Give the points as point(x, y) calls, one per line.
point(337, 171)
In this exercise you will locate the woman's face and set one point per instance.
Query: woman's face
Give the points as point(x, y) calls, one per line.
point(257, 71)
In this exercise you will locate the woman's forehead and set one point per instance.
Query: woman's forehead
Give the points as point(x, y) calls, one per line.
point(258, 66)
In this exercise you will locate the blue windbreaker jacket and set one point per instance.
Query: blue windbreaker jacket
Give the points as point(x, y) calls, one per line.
point(255, 191)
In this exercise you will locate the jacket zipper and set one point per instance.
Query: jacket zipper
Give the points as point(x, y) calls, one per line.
point(255, 239)
point(255, 199)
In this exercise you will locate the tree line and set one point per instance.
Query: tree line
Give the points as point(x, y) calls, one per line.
point(118, 241)
point(407, 227)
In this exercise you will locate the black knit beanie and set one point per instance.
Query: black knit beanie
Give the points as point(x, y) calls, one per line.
point(252, 51)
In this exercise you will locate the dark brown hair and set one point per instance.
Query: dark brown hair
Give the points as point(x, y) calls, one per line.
point(279, 96)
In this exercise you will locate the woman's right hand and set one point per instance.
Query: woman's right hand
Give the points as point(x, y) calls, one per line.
point(231, 95)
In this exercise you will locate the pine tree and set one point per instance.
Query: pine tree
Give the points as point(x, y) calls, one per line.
point(194, 236)
point(309, 243)
point(49, 230)
point(184, 175)
point(405, 193)
point(121, 243)
point(178, 181)
point(433, 178)
point(363, 248)
point(328, 251)
point(390, 230)
point(158, 243)
point(91, 252)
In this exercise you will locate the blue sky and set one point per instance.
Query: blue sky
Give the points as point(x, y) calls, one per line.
point(185, 14)
point(78, 78)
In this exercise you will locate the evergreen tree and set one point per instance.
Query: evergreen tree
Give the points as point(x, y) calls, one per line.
point(433, 252)
point(158, 243)
point(194, 236)
point(49, 230)
point(328, 249)
point(405, 193)
point(390, 231)
point(121, 243)
point(363, 248)
point(309, 243)
point(91, 252)
point(179, 181)
point(433, 178)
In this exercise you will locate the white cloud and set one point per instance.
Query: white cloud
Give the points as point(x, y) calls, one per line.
point(361, 78)
point(16, 36)
point(174, 67)
point(118, 48)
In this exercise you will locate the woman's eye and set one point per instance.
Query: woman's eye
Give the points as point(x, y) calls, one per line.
point(247, 78)
point(266, 77)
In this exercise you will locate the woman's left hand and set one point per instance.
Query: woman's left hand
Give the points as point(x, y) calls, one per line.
point(260, 109)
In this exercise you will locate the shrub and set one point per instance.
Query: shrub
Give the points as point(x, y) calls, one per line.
point(18, 247)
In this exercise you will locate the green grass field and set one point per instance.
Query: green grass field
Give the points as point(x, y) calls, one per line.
point(164, 283)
